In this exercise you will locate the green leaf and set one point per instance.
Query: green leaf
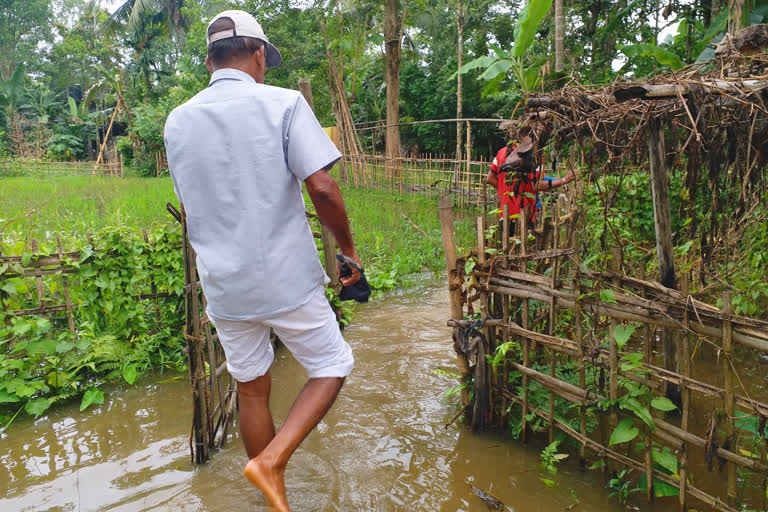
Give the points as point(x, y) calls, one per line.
point(469, 266)
point(607, 296)
point(8, 398)
point(662, 56)
point(9, 288)
point(26, 258)
point(3, 268)
point(663, 404)
point(528, 24)
point(622, 333)
point(91, 396)
point(631, 404)
point(662, 489)
point(665, 459)
point(500, 67)
point(480, 62)
point(624, 432)
point(130, 373)
point(72, 107)
point(47, 347)
point(37, 406)
point(63, 347)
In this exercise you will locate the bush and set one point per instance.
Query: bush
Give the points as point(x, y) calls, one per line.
point(145, 136)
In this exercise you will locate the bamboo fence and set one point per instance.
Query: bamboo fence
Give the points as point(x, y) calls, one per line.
point(43, 168)
point(58, 267)
point(44, 268)
point(429, 176)
point(564, 319)
point(214, 391)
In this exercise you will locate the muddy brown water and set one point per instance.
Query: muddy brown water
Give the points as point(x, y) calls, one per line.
point(383, 446)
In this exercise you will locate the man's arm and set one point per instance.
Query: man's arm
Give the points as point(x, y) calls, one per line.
point(329, 205)
point(544, 185)
point(492, 179)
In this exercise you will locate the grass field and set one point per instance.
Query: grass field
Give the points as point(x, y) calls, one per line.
point(71, 206)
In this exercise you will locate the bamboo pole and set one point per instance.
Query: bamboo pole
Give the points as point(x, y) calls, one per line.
point(615, 265)
point(523, 225)
point(647, 355)
point(454, 281)
point(551, 324)
point(505, 307)
point(663, 227)
point(685, 393)
point(729, 389)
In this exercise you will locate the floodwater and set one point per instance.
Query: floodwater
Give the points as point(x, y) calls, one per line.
point(383, 447)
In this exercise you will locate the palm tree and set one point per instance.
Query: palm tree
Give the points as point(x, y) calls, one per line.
point(133, 13)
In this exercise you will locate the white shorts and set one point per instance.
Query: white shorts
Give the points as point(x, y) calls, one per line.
point(310, 332)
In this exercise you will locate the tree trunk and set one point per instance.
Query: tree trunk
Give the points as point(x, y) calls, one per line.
point(737, 13)
point(559, 35)
point(459, 90)
point(392, 80)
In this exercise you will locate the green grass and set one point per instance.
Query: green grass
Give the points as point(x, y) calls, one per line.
point(74, 205)
point(71, 206)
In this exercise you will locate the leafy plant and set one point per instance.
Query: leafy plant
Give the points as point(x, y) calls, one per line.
point(621, 486)
point(549, 457)
point(497, 67)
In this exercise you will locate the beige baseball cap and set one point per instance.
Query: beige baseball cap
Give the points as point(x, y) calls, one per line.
point(246, 26)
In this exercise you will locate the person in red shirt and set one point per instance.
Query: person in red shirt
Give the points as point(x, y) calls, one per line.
point(516, 187)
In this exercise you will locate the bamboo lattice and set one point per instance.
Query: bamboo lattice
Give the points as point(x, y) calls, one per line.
point(535, 293)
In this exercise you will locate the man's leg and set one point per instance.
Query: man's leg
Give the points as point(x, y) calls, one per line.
point(267, 470)
point(256, 425)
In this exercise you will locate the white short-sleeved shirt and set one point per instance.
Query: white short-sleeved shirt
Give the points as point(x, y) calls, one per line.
point(238, 152)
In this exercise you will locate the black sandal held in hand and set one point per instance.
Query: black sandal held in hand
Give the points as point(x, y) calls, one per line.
point(360, 291)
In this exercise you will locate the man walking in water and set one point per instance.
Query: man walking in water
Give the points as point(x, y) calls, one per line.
point(238, 152)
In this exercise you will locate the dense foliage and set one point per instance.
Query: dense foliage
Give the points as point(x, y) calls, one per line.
point(68, 64)
point(119, 330)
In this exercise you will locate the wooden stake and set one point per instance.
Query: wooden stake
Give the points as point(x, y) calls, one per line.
point(664, 247)
point(454, 287)
point(523, 224)
point(685, 367)
point(613, 387)
point(729, 390)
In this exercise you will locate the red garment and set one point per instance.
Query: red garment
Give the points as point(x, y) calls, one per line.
point(506, 191)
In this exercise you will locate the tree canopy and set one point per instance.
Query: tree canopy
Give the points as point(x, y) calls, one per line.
point(149, 54)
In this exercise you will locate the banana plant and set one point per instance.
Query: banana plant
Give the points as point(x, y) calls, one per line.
point(12, 91)
point(525, 70)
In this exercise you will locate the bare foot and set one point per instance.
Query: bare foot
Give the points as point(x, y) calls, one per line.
point(270, 480)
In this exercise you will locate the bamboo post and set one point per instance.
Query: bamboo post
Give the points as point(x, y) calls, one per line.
point(582, 347)
point(647, 356)
point(523, 224)
point(106, 137)
point(552, 320)
point(454, 288)
point(615, 267)
point(664, 248)
point(468, 156)
point(481, 239)
point(192, 334)
point(505, 309)
point(729, 389)
point(685, 367)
